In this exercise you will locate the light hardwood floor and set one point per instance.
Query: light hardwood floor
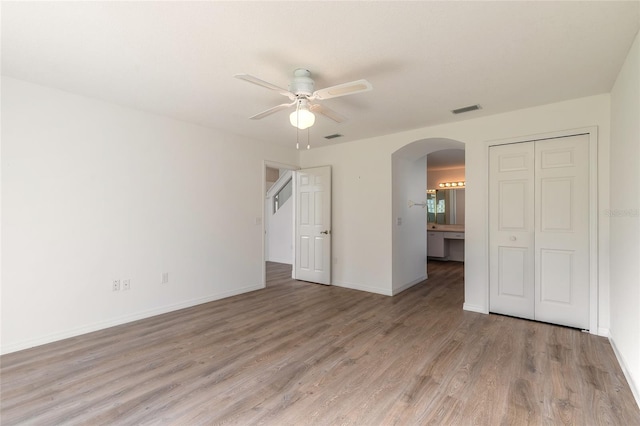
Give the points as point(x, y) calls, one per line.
point(297, 353)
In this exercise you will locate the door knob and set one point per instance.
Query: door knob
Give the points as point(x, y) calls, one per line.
point(326, 232)
point(512, 238)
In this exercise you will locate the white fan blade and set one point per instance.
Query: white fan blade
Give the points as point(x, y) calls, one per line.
point(257, 81)
point(344, 89)
point(271, 111)
point(327, 112)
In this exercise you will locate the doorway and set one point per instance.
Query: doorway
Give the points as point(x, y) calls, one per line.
point(409, 212)
point(277, 214)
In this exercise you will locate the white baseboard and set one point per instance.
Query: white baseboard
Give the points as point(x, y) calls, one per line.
point(281, 260)
point(362, 288)
point(407, 285)
point(474, 308)
point(100, 325)
point(604, 332)
point(376, 290)
point(623, 365)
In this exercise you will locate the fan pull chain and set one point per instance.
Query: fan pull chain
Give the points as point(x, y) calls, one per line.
point(308, 144)
point(297, 123)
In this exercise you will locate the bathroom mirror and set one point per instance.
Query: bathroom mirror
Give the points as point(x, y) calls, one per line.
point(446, 207)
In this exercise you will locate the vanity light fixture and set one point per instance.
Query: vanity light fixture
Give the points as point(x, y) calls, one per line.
point(452, 185)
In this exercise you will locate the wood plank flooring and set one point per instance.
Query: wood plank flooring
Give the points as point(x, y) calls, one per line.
point(297, 353)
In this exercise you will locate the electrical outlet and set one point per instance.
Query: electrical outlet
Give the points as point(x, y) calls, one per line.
point(115, 286)
point(126, 285)
point(165, 278)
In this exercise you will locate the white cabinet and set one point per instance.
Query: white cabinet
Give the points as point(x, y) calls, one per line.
point(435, 244)
point(445, 245)
point(454, 245)
point(453, 235)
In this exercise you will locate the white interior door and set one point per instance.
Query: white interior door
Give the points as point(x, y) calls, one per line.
point(539, 230)
point(562, 231)
point(511, 224)
point(313, 225)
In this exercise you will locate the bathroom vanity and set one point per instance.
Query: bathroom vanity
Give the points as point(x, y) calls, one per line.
point(445, 242)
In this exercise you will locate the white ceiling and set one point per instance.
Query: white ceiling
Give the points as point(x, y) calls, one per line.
point(446, 159)
point(423, 58)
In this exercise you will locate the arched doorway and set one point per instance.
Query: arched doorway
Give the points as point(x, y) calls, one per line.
point(409, 231)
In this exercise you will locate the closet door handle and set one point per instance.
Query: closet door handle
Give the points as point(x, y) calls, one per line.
point(513, 238)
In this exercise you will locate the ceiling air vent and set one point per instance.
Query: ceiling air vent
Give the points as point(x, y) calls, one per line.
point(466, 109)
point(333, 136)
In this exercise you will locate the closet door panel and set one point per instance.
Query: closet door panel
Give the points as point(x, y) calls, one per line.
point(511, 224)
point(562, 231)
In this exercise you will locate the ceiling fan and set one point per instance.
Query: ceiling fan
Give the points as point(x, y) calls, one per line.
point(302, 95)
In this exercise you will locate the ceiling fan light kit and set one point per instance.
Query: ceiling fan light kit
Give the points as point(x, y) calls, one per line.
point(302, 118)
point(301, 92)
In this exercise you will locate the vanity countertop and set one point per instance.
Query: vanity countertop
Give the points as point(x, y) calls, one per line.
point(444, 228)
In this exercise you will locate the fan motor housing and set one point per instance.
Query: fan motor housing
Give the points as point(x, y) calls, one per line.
point(301, 84)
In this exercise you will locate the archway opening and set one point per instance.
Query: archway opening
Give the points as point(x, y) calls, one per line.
point(409, 210)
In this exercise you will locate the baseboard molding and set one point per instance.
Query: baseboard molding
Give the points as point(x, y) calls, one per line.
point(101, 325)
point(623, 365)
point(281, 260)
point(474, 308)
point(604, 332)
point(362, 288)
point(407, 285)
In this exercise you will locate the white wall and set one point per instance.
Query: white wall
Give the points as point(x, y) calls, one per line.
point(360, 197)
point(434, 177)
point(281, 233)
point(362, 202)
point(94, 192)
point(625, 216)
point(410, 223)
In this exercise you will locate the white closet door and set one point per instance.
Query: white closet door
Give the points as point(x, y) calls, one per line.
point(562, 231)
point(539, 230)
point(511, 225)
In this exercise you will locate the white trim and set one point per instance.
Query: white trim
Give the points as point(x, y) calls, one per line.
point(623, 365)
point(604, 332)
point(363, 288)
point(404, 287)
point(543, 136)
point(294, 199)
point(101, 325)
point(281, 260)
point(592, 131)
point(593, 230)
point(474, 308)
